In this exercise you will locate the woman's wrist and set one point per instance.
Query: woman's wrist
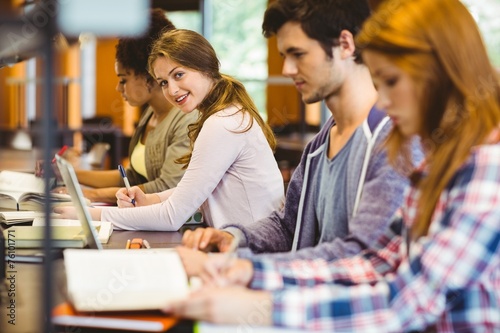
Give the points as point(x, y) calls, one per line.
point(156, 198)
point(95, 214)
point(152, 198)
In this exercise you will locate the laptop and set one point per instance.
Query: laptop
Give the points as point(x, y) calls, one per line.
point(75, 191)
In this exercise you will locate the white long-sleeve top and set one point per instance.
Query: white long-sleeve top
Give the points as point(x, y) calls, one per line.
point(232, 177)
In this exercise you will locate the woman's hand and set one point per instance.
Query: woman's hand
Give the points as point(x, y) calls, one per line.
point(234, 305)
point(69, 212)
point(192, 260)
point(60, 190)
point(223, 269)
point(66, 212)
point(216, 269)
point(494, 136)
point(124, 198)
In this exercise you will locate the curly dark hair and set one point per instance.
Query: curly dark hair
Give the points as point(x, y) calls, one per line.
point(133, 53)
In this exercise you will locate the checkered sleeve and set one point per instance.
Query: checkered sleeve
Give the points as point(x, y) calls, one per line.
point(363, 308)
point(369, 266)
point(448, 280)
point(456, 265)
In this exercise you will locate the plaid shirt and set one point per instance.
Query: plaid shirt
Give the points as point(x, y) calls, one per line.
point(448, 280)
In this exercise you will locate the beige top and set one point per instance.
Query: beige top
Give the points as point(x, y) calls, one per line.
point(164, 144)
point(138, 159)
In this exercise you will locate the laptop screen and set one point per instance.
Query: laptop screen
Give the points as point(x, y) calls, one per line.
point(69, 176)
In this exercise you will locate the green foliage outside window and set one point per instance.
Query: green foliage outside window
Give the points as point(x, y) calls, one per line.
point(486, 13)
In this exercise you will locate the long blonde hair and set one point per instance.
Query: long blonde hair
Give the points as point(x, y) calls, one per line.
point(193, 51)
point(438, 44)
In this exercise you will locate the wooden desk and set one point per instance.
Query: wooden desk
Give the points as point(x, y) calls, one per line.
point(27, 284)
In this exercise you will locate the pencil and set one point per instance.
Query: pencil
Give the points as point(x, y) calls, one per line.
point(127, 246)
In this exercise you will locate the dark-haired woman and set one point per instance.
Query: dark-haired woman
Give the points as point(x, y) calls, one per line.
point(161, 135)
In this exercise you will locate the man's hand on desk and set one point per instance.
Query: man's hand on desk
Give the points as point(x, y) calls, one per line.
point(232, 305)
point(206, 238)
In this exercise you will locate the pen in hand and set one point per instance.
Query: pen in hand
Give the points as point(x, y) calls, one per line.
point(231, 254)
point(217, 270)
point(125, 180)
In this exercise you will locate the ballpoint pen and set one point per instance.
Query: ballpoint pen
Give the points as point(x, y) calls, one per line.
point(125, 180)
point(60, 153)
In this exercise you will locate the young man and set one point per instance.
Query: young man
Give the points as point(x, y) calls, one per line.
point(343, 193)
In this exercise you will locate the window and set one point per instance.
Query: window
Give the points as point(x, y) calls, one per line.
point(486, 14)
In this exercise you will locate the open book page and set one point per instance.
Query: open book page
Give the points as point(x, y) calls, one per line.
point(104, 229)
point(20, 182)
point(120, 280)
point(30, 200)
point(24, 191)
point(9, 199)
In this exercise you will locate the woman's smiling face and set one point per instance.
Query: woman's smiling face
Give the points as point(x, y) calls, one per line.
point(181, 86)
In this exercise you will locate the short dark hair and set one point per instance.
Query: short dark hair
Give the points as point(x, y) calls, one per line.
point(133, 53)
point(322, 20)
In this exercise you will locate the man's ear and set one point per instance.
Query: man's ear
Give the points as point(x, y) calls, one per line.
point(347, 46)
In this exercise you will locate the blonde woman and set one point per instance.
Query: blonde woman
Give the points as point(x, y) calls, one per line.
point(231, 173)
